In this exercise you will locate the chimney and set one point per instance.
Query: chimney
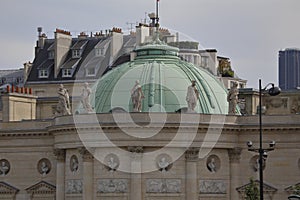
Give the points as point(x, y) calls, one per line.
point(18, 105)
point(116, 43)
point(27, 69)
point(62, 44)
point(41, 40)
point(82, 35)
point(142, 32)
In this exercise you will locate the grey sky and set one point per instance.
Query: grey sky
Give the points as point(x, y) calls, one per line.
point(249, 32)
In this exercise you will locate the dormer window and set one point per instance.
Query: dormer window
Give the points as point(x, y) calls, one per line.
point(43, 73)
point(67, 73)
point(100, 52)
point(76, 53)
point(51, 54)
point(204, 61)
point(91, 71)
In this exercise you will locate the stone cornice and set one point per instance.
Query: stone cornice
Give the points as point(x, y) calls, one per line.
point(226, 128)
point(28, 133)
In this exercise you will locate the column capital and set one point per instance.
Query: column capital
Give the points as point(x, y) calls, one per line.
point(135, 149)
point(235, 154)
point(86, 154)
point(192, 154)
point(60, 154)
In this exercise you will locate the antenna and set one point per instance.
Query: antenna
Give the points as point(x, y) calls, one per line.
point(145, 20)
point(39, 29)
point(131, 25)
point(157, 18)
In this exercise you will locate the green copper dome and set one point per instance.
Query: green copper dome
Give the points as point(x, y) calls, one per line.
point(164, 80)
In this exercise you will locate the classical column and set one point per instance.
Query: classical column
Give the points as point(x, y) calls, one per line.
point(87, 174)
point(191, 183)
point(60, 173)
point(136, 173)
point(234, 159)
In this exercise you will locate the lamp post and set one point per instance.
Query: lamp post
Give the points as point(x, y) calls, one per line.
point(294, 197)
point(263, 152)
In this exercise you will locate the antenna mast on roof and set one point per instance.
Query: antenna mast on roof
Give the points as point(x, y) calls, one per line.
point(157, 18)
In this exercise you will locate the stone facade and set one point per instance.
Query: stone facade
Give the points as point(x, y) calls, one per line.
point(26, 144)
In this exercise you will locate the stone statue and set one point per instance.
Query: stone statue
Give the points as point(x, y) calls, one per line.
point(4, 168)
point(212, 165)
point(163, 164)
point(74, 164)
point(112, 164)
point(85, 98)
point(192, 96)
point(136, 96)
point(44, 168)
point(232, 99)
point(63, 106)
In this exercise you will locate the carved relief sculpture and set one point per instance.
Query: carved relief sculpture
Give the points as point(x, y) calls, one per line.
point(74, 187)
point(212, 187)
point(112, 186)
point(163, 186)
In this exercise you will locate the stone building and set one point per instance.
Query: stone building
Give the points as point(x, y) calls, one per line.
point(165, 150)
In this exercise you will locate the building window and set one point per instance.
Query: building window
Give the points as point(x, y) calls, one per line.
point(91, 71)
point(3, 80)
point(204, 61)
point(100, 52)
point(76, 53)
point(51, 55)
point(67, 73)
point(43, 73)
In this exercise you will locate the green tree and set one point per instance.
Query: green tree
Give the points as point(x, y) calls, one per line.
point(296, 189)
point(252, 191)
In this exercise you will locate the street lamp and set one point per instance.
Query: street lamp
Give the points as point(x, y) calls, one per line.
point(294, 197)
point(273, 91)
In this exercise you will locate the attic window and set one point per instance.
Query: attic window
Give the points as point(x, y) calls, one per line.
point(51, 54)
point(204, 61)
point(100, 52)
point(90, 71)
point(76, 53)
point(43, 73)
point(67, 73)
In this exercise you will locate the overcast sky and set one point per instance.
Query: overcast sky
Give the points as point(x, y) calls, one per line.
point(249, 32)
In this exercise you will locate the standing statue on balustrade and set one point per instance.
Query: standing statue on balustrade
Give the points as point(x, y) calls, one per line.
point(232, 99)
point(136, 96)
point(192, 97)
point(85, 98)
point(63, 106)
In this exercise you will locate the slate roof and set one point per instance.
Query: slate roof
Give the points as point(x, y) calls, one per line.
point(41, 60)
point(12, 77)
point(87, 60)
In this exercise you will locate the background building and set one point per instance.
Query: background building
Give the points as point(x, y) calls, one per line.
point(289, 68)
point(105, 154)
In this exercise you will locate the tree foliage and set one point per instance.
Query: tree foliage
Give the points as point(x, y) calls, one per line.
point(252, 191)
